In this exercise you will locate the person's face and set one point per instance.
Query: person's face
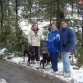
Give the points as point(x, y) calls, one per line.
point(53, 27)
point(35, 26)
point(63, 24)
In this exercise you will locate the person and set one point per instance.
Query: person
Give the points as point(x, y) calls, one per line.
point(34, 39)
point(53, 44)
point(67, 45)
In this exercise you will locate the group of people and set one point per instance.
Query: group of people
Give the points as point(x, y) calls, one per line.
point(62, 41)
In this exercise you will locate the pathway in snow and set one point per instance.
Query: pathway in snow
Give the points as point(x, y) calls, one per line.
point(76, 77)
point(15, 73)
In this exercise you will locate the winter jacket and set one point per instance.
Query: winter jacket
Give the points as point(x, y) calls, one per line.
point(68, 40)
point(34, 39)
point(53, 41)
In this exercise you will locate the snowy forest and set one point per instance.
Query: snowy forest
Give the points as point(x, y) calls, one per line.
point(13, 13)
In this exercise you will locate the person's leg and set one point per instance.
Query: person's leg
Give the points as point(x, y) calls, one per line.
point(53, 58)
point(66, 62)
point(54, 61)
point(37, 55)
point(63, 60)
point(29, 60)
point(37, 52)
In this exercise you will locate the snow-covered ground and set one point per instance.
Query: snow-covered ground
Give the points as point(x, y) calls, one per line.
point(76, 76)
point(2, 80)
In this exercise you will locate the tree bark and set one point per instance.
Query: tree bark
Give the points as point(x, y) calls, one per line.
point(16, 17)
point(30, 9)
point(1, 16)
point(58, 15)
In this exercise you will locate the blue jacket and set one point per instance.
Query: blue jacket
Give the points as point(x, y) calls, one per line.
point(68, 40)
point(53, 41)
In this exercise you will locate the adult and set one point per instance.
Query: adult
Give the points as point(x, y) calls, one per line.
point(53, 44)
point(34, 39)
point(68, 41)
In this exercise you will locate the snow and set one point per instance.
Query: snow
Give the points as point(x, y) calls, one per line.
point(75, 15)
point(76, 76)
point(80, 30)
point(2, 80)
point(26, 26)
point(2, 51)
point(16, 60)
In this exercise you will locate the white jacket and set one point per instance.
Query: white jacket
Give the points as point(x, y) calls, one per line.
point(34, 39)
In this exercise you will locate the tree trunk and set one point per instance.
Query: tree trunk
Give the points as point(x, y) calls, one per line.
point(82, 27)
point(58, 15)
point(1, 3)
point(50, 16)
point(16, 17)
point(30, 9)
point(1, 16)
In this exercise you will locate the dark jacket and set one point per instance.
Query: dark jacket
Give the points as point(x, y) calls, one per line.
point(68, 40)
point(53, 41)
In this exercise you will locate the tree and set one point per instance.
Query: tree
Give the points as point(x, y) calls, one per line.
point(12, 37)
point(1, 2)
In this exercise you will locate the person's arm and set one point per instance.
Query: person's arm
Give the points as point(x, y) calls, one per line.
point(57, 39)
point(42, 36)
point(72, 41)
